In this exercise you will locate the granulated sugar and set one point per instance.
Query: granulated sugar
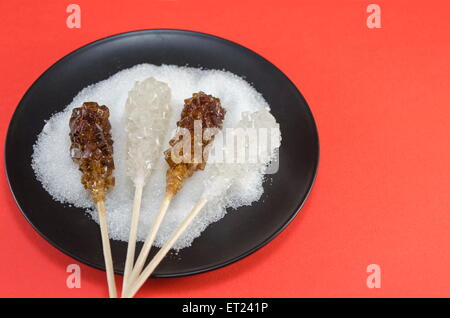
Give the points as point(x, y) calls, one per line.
point(60, 176)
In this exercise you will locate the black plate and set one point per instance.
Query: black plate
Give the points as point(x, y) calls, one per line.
point(240, 232)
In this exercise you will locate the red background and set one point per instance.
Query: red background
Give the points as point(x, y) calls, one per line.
point(381, 101)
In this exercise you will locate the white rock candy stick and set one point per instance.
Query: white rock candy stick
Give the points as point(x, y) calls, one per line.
point(220, 177)
point(148, 113)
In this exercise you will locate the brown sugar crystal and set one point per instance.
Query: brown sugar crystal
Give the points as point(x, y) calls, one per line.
point(92, 147)
point(208, 110)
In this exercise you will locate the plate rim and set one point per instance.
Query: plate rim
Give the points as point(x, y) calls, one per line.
point(115, 36)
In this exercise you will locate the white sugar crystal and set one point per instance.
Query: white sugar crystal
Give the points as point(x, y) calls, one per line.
point(148, 114)
point(60, 176)
point(220, 176)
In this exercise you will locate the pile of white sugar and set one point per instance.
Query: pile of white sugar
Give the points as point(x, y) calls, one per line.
point(59, 175)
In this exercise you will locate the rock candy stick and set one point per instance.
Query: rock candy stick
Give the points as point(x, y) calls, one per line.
point(92, 148)
point(148, 113)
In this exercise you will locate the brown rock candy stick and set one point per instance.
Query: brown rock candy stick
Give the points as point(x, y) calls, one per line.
point(92, 149)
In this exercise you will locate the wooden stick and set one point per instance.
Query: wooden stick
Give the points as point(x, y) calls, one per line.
point(140, 262)
point(164, 250)
point(133, 233)
point(106, 249)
